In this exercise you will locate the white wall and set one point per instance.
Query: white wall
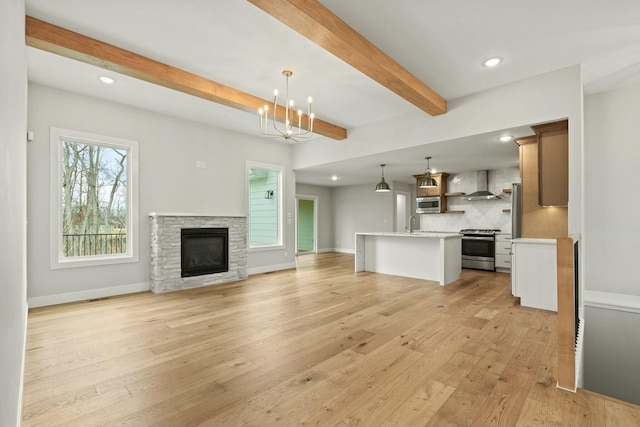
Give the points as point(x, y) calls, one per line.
point(13, 209)
point(324, 208)
point(612, 206)
point(169, 181)
point(358, 208)
point(610, 244)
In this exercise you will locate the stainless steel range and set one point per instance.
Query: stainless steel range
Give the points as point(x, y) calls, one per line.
point(479, 248)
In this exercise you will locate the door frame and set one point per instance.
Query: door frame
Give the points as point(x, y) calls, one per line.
point(315, 222)
point(407, 207)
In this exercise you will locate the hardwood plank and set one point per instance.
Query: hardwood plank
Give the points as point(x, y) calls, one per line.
point(317, 345)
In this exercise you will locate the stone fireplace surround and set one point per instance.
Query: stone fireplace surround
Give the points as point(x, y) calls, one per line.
point(165, 250)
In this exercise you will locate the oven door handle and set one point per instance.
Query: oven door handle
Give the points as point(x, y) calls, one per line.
point(477, 238)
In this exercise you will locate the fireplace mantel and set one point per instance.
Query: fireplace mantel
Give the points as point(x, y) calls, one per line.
point(152, 214)
point(165, 250)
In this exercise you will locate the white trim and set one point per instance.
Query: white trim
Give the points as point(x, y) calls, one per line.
point(270, 268)
point(250, 164)
point(194, 214)
point(22, 363)
point(611, 301)
point(326, 250)
point(88, 294)
point(313, 198)
point(407, 208)
point(343, 251)
point(56, 260)
point(265, 248)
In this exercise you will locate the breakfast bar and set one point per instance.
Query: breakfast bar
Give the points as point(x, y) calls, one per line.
point(421, 255)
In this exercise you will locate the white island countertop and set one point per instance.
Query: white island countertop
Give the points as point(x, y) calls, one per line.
point(424, 255)
point(417, 233)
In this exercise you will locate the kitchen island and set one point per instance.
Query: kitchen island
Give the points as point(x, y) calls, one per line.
point(421, 255)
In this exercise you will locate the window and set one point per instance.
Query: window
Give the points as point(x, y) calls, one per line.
point(265, 205)
point(93, 199)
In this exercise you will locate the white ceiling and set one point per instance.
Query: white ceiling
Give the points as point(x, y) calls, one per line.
point(443, 43)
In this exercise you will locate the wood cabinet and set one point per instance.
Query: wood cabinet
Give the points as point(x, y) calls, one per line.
point(440, 190)
point(553, 163)
point(537, 221)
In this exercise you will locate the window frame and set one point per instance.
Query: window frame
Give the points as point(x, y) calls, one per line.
point(280, 205)
point(57, 259)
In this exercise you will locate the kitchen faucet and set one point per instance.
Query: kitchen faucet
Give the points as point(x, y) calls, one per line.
point(412, 220)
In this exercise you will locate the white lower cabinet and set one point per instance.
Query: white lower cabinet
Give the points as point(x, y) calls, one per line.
point(534, 273)
point(503, 253)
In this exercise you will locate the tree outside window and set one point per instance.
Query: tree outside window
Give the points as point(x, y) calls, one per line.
point(94, 203)
point(95, 197)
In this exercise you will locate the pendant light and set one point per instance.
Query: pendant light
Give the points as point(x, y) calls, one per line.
point(427, 181)
point(382, 186)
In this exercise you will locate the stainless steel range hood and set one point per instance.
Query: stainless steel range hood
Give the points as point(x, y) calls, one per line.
point(482, 188)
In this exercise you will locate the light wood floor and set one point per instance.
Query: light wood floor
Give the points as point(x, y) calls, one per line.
point(319, 345)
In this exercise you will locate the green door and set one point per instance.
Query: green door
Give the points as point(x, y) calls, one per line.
point(306, 225)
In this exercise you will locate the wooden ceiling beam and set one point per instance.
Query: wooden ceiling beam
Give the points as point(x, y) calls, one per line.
point(321, 26)
point(54, 39)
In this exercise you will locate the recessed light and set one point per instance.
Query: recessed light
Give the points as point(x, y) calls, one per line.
point(492, 62)
point(505, 138)
point(334, 178)
point(107, 80)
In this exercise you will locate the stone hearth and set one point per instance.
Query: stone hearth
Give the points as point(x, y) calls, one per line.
point(165, 250)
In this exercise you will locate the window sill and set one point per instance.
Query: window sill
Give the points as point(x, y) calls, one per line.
point(266, 248)
point(92, 261)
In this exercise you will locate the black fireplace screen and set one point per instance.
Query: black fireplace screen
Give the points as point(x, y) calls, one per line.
point(204, 251)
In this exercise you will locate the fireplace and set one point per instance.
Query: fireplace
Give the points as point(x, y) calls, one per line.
point(204, 251)
point(165, 273)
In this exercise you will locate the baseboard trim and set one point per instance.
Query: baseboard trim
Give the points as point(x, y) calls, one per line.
point(24, 357)
point(270, 268)
point(343, 251)
point(611, 301)
point(88, 294)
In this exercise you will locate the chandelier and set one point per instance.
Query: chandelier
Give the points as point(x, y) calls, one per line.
point(286, 130)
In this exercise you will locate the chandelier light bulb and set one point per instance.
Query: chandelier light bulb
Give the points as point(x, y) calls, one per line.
point(266, 108)
point(291, 103)
point(310, 100)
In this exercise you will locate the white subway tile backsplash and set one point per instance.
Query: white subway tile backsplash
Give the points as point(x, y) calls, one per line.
point(480, 213)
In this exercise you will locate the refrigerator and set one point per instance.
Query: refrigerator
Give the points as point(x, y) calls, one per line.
point(516, 229)
point(516, 210)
